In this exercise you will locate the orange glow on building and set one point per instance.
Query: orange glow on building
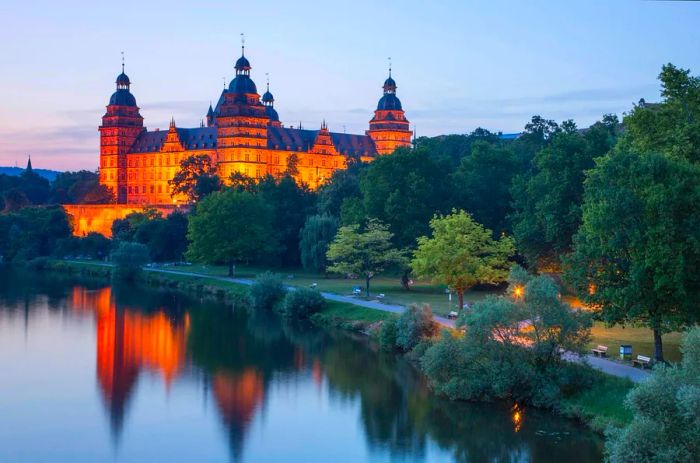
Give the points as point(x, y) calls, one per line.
point(98, 218)
point(242, 134)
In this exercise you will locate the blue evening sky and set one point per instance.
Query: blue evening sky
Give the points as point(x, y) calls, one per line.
point(458, 64)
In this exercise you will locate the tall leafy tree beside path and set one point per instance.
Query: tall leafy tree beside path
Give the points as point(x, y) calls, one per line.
point(364, 253)
point(229, 227)
point(637, 253)
point(461, 253)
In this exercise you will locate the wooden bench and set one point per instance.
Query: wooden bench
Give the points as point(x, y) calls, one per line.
point(600, 351)
point(642, 361)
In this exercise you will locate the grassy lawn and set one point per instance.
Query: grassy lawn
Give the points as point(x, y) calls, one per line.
point(421, 292)
point(602, 403)
point(641, 339)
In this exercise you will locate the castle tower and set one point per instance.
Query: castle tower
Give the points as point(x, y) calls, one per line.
point(242, 120)
point(389, 128)
point(121, 125)
point(269, 102)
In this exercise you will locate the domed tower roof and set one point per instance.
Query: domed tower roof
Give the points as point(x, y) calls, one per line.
point(123, 80)
point(389, 102)
point(267, 97)
point(389, 85)
point(242, 64)
point(122, 97)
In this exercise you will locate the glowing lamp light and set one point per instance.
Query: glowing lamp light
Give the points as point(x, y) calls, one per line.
point(518, 291)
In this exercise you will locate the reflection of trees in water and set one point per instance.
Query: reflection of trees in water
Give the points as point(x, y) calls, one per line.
point(399, 413)
point(239, 354)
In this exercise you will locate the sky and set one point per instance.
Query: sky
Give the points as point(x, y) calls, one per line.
point(458, 64)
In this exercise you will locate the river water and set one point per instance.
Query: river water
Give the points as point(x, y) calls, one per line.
point(94, 373)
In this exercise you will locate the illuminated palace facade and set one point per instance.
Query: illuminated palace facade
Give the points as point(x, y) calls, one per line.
point(242, 133)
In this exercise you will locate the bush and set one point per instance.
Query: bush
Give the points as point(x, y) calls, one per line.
point(266, 291)
point(666, 408)
point(129, 259)
point(387, 335)
point(302, 303)
point(415, 325)
point(500, 357)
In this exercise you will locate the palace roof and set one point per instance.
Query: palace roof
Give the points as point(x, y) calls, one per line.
point(278, 138)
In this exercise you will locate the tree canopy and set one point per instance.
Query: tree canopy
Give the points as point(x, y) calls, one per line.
point(230, 226)
point(461, 253)
point(637, 252)
point(363, 253)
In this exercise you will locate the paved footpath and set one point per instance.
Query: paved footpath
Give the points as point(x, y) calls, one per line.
point(606, 366)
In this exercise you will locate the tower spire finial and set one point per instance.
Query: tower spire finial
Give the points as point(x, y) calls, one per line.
point(390, 66)
point(122, 62)
point(242, 44)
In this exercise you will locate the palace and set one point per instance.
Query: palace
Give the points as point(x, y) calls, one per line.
point(242, 133)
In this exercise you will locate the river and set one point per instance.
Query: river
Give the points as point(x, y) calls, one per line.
point(95, 373)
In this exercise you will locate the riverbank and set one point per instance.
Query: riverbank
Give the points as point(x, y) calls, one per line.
point(599, 406)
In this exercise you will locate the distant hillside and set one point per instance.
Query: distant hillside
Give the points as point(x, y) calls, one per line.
point(49, 175)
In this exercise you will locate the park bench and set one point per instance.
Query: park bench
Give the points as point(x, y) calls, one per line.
point(600, 351)
point(642, 361)
point(452, 315)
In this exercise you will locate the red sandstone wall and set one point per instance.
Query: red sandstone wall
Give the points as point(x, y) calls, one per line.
point(99, 217)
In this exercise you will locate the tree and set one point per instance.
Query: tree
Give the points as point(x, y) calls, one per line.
point(229, 227)
point(343, 184)
point(461, 253)
point(673, 126)
point(166, 238)
point(482, 183)
point(82, 187)
point(316, 236)
point(547, 200)
point(290, 203)
point(404, 190)
point(32, 232)
point(129, 259)
point(637, 252)
point(196, 178)
point(363, 253)
point(513, 348)
point(666, 410)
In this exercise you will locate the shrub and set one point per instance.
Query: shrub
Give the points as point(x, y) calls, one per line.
point(500, 356)
point(129, 259)
point(666, 408)
point(414, 325)
point(302, 303)
point(266, 291)
point(387, 335)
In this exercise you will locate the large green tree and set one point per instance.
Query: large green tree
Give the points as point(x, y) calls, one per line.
point(482, 182)
point(404, 190)
point(461, 253)
point(364, 253)
point(547, 199)
point(316, 236)
point(637, 253)
point(673, 126)
point(290, 203)
point(229, 227)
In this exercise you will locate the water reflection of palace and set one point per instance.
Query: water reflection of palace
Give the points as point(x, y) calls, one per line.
point(129, 341)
